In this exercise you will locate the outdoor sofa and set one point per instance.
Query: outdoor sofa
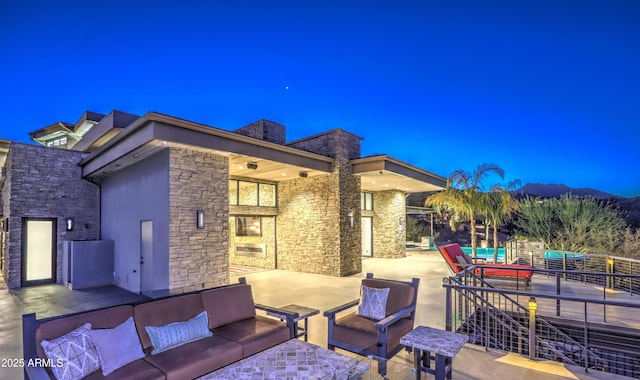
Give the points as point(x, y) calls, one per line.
point(458, 261)
point(230, 331)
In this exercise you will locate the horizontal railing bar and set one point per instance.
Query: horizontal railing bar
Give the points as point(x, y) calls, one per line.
point(542, 295)
point(575, 272)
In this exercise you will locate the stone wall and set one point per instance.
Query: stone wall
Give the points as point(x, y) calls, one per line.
point(336, 143)
point(265, 130)
point(389, 224)
point(314, 230)
point(45, 182)
point(198, 258)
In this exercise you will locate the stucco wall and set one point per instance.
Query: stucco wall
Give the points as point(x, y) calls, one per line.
point(45, 182)
point(129, 196)
point(198, 258)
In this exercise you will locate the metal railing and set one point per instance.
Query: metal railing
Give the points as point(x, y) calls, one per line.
point(501, 318)
point(625, 268)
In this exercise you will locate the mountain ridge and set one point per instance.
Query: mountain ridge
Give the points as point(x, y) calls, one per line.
point(557, 190)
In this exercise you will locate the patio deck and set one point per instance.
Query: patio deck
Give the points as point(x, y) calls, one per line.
point(279, 288)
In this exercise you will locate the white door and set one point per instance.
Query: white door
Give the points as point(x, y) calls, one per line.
point(146, 255)
point(367, 236)
point(38, 256)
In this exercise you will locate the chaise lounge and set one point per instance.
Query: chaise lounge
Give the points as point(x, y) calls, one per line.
point(458, 261)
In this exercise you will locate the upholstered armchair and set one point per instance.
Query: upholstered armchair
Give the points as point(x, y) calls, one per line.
point(380, 321)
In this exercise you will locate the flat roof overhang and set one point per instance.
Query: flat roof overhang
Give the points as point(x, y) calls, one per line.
point(381, 172)
point(154, 132)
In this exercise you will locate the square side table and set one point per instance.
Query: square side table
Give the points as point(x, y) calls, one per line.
point(444, 344)
point(303, 314)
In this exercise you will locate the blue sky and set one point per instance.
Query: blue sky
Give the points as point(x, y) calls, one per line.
point(547, 90)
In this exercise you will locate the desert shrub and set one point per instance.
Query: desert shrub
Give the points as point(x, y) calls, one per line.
point(572, 224)
point(630, 244)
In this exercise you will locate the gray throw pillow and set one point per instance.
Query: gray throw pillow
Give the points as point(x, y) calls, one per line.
point(373, 302)
point(117, 347)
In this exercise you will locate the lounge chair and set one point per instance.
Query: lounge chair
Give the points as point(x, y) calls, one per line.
point(378, 336)
point(459, 261)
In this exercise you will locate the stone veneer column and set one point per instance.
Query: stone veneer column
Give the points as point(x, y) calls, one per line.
point(198, 258)
point(389, 224)
point(43, 182)
point(314, 231)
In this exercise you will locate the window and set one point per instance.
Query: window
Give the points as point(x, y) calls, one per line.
point(57, 142)
point(246, 193)
point(233, 192)
point(267, 195)
point(366, 201)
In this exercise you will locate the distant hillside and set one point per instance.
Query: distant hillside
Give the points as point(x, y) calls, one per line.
point(555, 191)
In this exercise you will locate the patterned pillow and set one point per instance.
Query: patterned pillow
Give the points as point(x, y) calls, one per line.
point(373, 303)
point(75, 351)
point(178, 333)
point(117, 347)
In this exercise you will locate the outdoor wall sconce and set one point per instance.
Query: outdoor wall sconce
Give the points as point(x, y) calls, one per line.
point(252, 165)
point(303, 174)
point(5, 225)
point(200, 219)
point(351, 219)
point(69, 223)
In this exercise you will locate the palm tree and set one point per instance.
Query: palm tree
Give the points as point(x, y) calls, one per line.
point(463, 196)
point(499, 207)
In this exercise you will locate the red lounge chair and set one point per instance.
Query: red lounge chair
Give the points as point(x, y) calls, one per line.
point(458, 261)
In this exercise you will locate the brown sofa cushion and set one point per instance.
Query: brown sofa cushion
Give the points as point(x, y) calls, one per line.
point(400, 295)
point(99, 319)
point(197, 358)
point(228, 304)
point(255, 334)
point(138, 370)
point(361, 331)
point(165, 311)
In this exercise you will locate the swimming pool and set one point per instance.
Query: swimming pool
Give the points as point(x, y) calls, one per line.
point(488, 254)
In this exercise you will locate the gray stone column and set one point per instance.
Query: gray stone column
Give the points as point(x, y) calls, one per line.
point(198, 258)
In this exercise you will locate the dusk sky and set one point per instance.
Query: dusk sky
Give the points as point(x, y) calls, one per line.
point(547, 90)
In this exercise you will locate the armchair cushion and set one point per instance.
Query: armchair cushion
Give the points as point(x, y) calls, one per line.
point(401, 295)
point(361, 332)
point(373, 302)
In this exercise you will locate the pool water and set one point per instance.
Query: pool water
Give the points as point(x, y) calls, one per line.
point(488, 254)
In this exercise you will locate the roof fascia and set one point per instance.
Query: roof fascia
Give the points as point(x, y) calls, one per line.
point(384, 162)
point(155, 126)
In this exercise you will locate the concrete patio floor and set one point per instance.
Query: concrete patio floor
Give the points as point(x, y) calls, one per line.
point(279, 288)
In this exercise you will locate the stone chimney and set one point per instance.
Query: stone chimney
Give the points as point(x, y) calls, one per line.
point(265, 130)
